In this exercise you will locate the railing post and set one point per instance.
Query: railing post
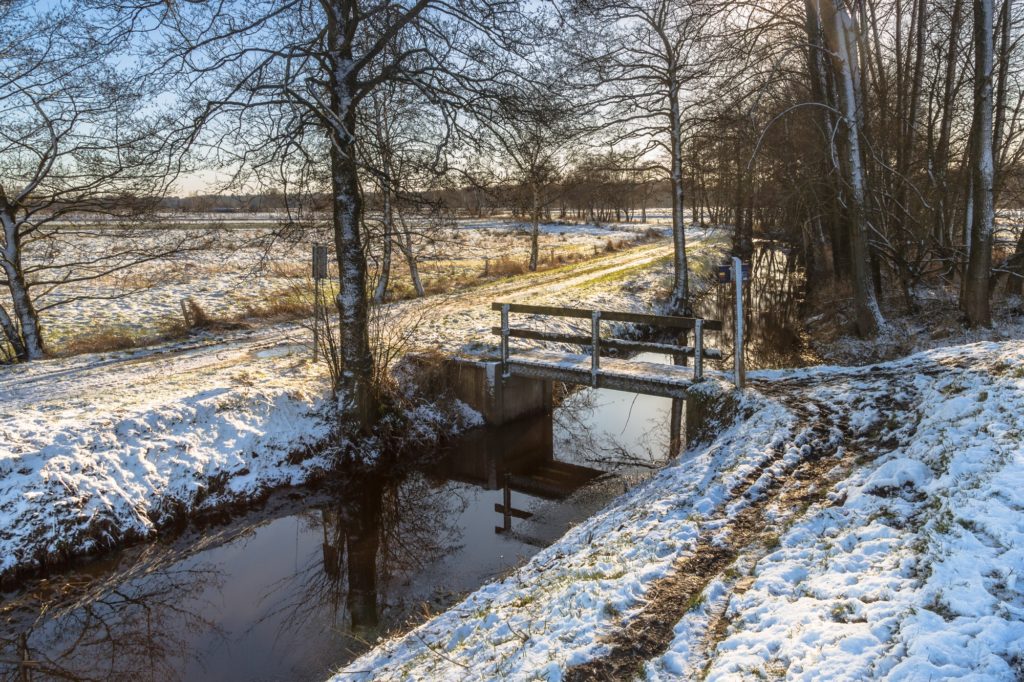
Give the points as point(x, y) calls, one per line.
point(505, 373)
point(698, 349)
point(595, 347)
point(737, 276)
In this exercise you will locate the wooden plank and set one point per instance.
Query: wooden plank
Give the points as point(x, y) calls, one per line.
point(609, 343)
point(671, 321)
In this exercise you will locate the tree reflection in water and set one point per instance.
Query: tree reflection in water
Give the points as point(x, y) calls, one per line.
point(772, 312)
point(158, 611)
point(384, 527)
point(130, 624)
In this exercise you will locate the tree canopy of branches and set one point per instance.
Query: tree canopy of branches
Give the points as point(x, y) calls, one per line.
point(79, 154)
point(281, 83)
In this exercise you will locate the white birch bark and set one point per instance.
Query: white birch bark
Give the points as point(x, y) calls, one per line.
point(680, 299)
point(975, 301)
point(842, 36)
point(28, 319)
point(385, 264)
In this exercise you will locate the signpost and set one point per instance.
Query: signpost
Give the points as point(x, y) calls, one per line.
point(319, 275)
point(741, 373)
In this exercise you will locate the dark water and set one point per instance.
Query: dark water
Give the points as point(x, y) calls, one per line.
point(773, 336)
point(303, 585)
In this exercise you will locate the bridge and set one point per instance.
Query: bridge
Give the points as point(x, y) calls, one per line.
point(591, 369)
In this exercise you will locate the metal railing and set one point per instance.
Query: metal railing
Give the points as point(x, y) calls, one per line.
point(698, 351)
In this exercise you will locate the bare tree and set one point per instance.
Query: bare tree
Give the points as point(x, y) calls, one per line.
point(81, 170)
point(643, 54)
point(975, 299)
point(313, 63)
point(841, 34)
point(532, 128)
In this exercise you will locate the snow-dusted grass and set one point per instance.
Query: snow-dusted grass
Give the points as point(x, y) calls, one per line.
point(74, 478)
point(898, 560)
point(241, 273)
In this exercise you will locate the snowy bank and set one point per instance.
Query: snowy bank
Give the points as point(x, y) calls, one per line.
point(88, 479)
point(857, 523)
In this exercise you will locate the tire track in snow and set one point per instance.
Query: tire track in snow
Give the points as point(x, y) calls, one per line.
point(742, 529)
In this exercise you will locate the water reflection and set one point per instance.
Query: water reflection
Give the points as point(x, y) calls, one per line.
point(130, 623)
point(304, 586)
point(772, 312)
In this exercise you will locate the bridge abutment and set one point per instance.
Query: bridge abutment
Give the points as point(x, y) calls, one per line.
point(479, 384)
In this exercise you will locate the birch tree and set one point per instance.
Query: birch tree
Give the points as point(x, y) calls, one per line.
point(532, 129)
point(83, 163)
point(841, 34)
point(975, 297)
point(643, 54)
point(402, 154)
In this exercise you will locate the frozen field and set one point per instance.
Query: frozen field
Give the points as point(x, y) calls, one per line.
point(245, 272)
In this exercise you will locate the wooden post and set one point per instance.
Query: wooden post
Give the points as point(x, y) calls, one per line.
point(504, 341)
point(698, 349)
point(507, 499)
point(737, 278)
point(595, 348)
point(184, 313)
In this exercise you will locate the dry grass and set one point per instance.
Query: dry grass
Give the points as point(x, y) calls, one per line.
point(613, 245)
point(110, 340)
point(506, 266)
point(279, 309)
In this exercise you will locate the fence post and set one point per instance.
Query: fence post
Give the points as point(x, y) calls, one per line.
point(184, 313)
point(595, 348)
point(698, 349)
point(737, 277)
point(504, 341)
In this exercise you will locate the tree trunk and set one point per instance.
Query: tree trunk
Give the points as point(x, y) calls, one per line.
point(943, 212)
point(356, 400)
point(31, 344)
point(535, 232)
point(841, 34)
point(975, 302)
point(12, 336)
point(679, 302)
point(410, 259)
point(385, 264)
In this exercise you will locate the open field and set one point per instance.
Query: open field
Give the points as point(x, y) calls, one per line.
point(248, 273)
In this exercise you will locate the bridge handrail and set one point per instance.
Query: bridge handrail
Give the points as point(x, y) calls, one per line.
point(611, 343)
point(698, 325)
point(671, 321)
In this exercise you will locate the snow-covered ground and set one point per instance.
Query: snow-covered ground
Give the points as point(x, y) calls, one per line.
point(99, 448)
point(245, 269)
point(857, 523)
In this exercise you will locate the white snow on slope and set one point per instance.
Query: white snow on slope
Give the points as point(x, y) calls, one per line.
point(906, 570)
point(74, 478)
